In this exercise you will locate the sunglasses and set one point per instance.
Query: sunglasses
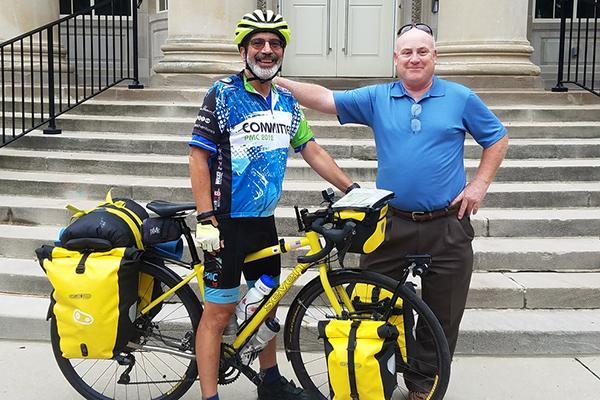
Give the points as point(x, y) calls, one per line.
point(422, 27)
point(415, 122)
point(258, 44)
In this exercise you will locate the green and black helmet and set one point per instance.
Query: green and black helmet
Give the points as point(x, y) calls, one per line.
point(259, 21)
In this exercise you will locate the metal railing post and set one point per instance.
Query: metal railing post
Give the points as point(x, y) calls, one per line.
point(51, 130)
point(136, 82)
point(561, 49)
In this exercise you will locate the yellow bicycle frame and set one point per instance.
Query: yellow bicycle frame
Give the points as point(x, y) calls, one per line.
point(312, 240)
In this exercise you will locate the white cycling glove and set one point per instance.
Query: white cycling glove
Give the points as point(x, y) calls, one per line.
point(207, 237)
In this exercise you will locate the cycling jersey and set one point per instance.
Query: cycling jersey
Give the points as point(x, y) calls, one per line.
point(249, 138)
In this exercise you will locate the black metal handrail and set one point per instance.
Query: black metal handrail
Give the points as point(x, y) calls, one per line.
point(581, 38)
point(101, 37)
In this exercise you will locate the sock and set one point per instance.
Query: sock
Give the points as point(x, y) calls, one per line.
point(271, 374)
point(215, 397)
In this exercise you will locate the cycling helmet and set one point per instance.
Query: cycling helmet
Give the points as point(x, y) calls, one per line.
point(259, 21)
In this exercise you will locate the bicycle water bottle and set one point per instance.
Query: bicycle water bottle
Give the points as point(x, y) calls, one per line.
point(248, 305)
point(267, 331)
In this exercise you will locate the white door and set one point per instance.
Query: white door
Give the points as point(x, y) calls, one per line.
point(345, 38)
point(313, 22)
point(365, 38)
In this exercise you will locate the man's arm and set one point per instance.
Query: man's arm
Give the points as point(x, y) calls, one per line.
point(473, 194)
point(310, 95)
point(200, 177)
point(325, 166)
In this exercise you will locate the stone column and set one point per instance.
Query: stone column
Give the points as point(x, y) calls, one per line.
point(200, 45)
point(483, 38)
point(18, 17)
point(22, 16)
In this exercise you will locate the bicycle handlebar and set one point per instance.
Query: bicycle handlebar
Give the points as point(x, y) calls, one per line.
point(332, 238)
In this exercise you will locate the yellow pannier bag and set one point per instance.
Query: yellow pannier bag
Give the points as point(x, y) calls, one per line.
point(361, 358)
point(362, 295)
point(94, 300)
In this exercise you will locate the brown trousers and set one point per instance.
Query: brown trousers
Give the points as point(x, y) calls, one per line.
point(446, 285)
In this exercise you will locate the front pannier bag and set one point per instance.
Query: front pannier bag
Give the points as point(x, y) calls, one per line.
point(363, 297)
point(94, 300)
point(361, 358)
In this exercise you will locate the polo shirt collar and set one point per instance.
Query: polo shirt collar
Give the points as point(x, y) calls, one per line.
point(437, 89)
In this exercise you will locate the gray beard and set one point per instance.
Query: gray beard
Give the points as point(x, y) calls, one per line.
point(263, 73)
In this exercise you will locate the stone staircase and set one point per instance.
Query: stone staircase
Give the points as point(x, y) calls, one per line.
point(536, 286)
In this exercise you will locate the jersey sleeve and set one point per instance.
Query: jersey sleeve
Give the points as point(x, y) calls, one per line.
point(207, 132)
point(354, 106)
point(481, 122)
point(303, 133)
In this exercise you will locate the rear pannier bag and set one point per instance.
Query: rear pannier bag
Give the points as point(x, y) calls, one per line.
point(94, 300)
point(361, 358)
point(113, 223)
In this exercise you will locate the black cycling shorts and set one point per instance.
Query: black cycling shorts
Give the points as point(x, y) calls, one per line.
point(241, 236)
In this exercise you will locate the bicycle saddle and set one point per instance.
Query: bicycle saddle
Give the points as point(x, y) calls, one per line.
point(168, 209)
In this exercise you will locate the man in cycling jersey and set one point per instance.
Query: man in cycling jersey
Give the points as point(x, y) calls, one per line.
point(419, 124)
point(238, 155)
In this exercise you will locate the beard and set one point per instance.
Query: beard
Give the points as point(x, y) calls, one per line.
point(264, 73)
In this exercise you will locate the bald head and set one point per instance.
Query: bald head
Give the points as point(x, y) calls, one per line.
point(415, 35)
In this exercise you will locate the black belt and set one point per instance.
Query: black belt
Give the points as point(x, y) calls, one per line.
point(423, 216)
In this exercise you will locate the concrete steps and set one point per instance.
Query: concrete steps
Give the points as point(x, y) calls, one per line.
point(489, 290)
point(358, 148)
point(589, 127)
point(497, 332)
point(536, 284)
point(161, 165)
point(488, 222)
point(492, 254)
point(303, 193)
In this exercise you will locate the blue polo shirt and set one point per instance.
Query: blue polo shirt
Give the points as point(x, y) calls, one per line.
point(423, 167)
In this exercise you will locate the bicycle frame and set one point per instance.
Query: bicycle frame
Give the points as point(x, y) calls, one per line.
point(250, 326)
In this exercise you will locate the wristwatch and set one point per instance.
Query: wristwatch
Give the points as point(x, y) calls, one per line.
point(353, 186)
point(203, 216)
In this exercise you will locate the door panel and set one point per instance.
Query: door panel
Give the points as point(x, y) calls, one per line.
point(367, 38)
point(309, 53)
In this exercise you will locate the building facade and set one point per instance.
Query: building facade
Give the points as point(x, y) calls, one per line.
point(332, 38)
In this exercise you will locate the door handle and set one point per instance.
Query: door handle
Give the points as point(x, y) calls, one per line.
point(345, 49)
point(328, 44)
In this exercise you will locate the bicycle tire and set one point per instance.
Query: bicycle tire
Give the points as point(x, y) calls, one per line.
point(306, 351)
point(155, 375)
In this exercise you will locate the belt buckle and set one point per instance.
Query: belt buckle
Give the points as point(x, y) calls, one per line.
point(415, 214)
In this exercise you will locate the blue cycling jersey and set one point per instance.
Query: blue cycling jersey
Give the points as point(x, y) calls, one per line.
point(249, 138)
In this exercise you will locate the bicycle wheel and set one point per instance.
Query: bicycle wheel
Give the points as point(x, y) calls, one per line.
point(422, 365)
point(157, 372)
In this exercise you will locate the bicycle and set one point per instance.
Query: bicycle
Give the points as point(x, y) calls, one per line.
point(159, 362)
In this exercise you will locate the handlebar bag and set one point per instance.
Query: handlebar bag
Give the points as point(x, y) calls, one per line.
point(111, 224)
point(366, 297)
point(360, 358)
point(94, 300)
point(367, 208)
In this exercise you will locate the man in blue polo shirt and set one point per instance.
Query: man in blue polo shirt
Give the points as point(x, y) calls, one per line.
point(419, 124)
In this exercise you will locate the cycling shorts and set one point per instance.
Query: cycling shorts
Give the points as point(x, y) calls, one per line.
point(241, 236)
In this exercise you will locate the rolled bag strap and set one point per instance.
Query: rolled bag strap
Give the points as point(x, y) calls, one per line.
point(351, 366)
